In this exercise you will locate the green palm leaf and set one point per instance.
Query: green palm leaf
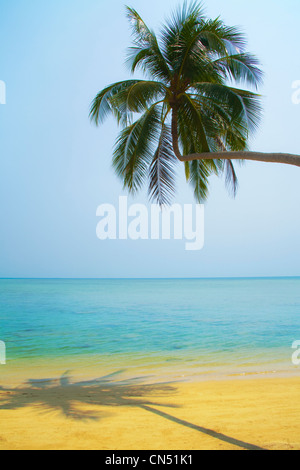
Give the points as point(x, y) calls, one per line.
point(243, 106)
point(102, 105)
point(240, 68)
point(134, 149)
point(138, 97)
point(162, 170)
point(199, 180)
point(145, 52)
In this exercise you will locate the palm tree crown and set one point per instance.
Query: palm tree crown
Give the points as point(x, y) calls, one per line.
point(186, 104)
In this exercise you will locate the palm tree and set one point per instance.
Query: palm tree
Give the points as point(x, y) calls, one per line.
point(185, 109)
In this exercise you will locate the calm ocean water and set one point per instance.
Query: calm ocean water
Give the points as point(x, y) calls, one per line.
point(192, 325)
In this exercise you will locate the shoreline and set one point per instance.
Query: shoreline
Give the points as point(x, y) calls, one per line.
point(17, 372)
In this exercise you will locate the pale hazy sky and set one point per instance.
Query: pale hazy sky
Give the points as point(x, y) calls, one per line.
point(56, 166)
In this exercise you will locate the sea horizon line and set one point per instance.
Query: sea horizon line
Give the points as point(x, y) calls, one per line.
point(145, 278)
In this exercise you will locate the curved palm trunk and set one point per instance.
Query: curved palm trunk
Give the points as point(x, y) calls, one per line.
point(285, 158)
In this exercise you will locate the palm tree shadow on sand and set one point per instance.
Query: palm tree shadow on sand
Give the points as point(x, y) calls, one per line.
point(65, 396)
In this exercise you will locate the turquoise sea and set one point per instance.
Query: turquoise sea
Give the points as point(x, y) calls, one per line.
point(184, 327)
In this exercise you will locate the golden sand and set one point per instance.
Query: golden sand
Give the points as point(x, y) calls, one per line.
point(228, 414)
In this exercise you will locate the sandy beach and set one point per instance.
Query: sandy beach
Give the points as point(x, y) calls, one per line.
point(241, 413)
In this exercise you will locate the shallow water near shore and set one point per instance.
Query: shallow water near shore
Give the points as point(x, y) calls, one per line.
point(181, 329)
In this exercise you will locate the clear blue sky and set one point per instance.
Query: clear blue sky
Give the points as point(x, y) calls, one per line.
point(56, 167)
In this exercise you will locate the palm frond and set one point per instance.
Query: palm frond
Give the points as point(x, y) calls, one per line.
point(162, 170)
point(138, 97)
point(102, 105)
point(243, 106)
point(179, 33)
point(219, 38)
point(145, 52)
point(231, 179)
point(139, 28)
point(219, 124)
point(135, 147)
point(194, 137)
point(240, 68)
point(193, 119)
point(193, 64)
point(199, 180)
point(187, 171)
